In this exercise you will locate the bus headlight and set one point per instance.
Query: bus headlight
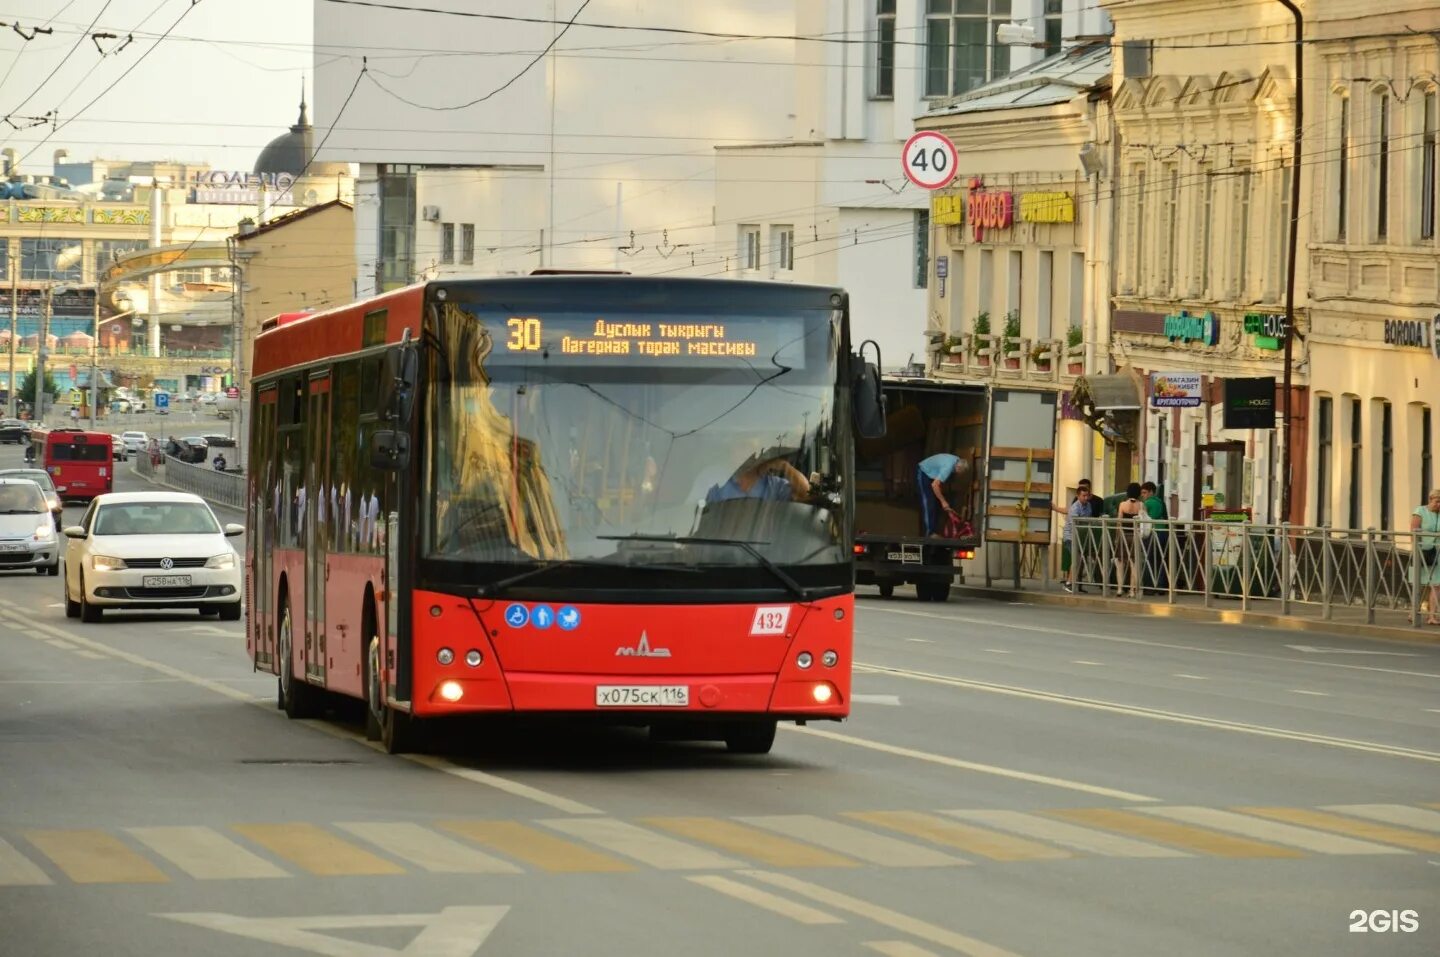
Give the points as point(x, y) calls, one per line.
point(804, 659)
point(823, 692)
point(445, 656)
point(829, 659)
point(451, 691)
point(473, 658)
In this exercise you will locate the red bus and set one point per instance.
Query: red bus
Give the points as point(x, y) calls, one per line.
point(606, 497)
point(80, 463)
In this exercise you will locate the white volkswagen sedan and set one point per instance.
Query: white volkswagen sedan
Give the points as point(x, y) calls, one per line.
point(151, 550)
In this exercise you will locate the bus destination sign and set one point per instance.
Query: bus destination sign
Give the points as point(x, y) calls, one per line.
point(681, 340)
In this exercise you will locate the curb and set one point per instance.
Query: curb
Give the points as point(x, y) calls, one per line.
point(1121, 606)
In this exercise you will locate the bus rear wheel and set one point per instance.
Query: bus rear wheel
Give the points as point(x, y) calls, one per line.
point(750, 737)
point(400, 732)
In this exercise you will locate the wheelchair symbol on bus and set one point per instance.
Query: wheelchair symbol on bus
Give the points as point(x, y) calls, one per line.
point(517, 616)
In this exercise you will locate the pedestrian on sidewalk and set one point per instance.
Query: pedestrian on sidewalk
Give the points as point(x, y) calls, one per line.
point(1126, 562)
point(1153, 537)
point(1427, 547)
point(1069, 561)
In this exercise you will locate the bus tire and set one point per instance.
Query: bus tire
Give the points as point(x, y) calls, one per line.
point(374, 692)
point(400, 732)
point(750, 737)
point(297, 699)
point(887, 591)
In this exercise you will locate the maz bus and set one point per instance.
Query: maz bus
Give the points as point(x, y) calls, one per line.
point(597, 496)
point(81, 464)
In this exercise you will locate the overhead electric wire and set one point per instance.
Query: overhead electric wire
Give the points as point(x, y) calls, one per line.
point(63, 60)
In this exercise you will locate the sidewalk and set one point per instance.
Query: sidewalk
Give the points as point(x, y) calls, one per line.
point(1344, 620)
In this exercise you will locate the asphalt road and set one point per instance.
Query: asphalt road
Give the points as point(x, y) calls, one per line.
point(1014, 781)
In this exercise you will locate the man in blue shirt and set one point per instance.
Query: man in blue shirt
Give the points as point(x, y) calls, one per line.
point(930, 478)
point(775, 480)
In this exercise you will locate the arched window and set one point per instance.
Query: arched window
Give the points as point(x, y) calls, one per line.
point(1382, 164)
point(1429, 124)
point(1342, 165)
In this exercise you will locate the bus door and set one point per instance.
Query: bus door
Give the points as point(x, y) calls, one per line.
point(264, 527)
point(318, 522)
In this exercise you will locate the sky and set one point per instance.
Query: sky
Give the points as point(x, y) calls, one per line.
point(223, 84)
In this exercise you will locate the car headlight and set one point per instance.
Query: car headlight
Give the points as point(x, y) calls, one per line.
point(106, 563)
point(226, 560)
point(45, 532)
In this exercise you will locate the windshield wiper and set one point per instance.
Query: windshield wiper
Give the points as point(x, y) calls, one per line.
point(495, 588)
point(799, 590)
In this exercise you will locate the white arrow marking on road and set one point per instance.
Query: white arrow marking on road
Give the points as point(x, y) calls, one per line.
point(211, 630)
point(890, 699)
point(1311, 649)
point(454, 932)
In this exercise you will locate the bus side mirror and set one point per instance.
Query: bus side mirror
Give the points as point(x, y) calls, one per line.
point(867, 399)
point(390, 450)
point(397, 383)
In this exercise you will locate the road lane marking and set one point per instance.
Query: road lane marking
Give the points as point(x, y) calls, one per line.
point(1191, 677)
point(535, 847)
point(453, 932)
point(1365, 830)
point(502, 784)
point(1273, 831)
point(997, 651)
point(1199, 840)
point(753, 843)
point(1312, 649)
point(656, 850)
point(882, 915)
point(1068, 633)
point(1068, 835)
point(1318, 694)
point(963, 837)
point(853, 841)
point(204, 854)
point(95, 857)
point(888, 699)
point(17, 870)
point(92, 655)
point(1403, 815)
point(427, 849)
point(898, 948)
point(774, 903)
point(316, 850)
point(947, 761)
point(1134, 711)
point(1095, 664)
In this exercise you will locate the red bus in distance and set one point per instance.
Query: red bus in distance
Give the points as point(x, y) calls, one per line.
point(80, 463)
point(613, 498)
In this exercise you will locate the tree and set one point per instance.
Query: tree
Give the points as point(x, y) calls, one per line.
point(27, 386)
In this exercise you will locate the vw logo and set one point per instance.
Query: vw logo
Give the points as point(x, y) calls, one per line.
point(167, 563)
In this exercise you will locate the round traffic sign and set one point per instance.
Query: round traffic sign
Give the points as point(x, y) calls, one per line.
point(930, 159)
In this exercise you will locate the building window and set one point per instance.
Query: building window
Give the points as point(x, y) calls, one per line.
point(447, 242)
point(396, 185)
point(1162, 451)
point(106, 251)
point(985, 288)
point(1356, 463)
point(1045, 296)
point(1242, 245)
point(1015, 284)
point(885, 48)
point(1342, 178)
point(1077, 290)
point(51, 259)
point(1283, 261)
point(188, 275)
point(749, 247)
point(1427, 474)
point(467, 243)
point(1137, 233)
point(1171, 214)
point(922, 248)
point(1430, 121)
point(1382, 157)
point(1053, 27)
point(1324, 432)
point(784, 241)
point(1207, 206)
point(961, 52)
point(1387, 465)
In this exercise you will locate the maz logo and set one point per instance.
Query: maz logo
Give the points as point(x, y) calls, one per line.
point(642, 649)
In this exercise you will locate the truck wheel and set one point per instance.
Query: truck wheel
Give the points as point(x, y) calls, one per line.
point(887, 591)
point(932, 590)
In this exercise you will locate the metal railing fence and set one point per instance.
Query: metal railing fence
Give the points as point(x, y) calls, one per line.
point(1285, 565)
point(221, 488)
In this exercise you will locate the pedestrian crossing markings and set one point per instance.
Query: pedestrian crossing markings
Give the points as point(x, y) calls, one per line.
point(881, 838)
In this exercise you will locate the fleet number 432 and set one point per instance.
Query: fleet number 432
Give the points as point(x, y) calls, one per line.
point(1384, 921)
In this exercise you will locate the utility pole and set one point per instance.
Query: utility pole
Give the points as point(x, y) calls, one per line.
point(95, 362)
point(1286, 479)
point(14, 268)
point(40, 341)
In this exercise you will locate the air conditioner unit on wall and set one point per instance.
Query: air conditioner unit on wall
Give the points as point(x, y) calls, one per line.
point(431, 214)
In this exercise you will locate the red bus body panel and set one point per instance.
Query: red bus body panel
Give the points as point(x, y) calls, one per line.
point(713, 650)
point(85, 479)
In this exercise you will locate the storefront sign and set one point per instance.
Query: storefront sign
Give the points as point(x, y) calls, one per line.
point(1407, 332)
point(947, 209)
point(942, 270)
point(236, 188)
point(1268, 328)
point(1047, 208)
point(1187, 328)
point(1175, 390)
point(1145, 323)
point(988, 210)
point(1250, 403)
point(1435, 337)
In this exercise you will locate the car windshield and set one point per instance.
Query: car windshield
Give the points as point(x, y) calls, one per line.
point(155, 518)
point(21, 498)
point(39, 476)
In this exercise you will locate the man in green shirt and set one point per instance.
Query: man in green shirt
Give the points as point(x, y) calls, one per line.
point(1156, 544)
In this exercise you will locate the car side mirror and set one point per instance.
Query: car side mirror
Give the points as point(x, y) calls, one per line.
point(231, 530)
point(390, 450)
point(867, 398)
point(75, 531)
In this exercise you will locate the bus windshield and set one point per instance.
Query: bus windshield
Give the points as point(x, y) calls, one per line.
point(649, 438)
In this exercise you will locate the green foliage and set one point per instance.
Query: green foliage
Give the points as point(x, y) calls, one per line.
point(980, 325)
point(1012, 325)
point(27, 386)
point(1074, 336)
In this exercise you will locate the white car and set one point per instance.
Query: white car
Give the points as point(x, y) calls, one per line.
point(151, 550)
point(135, 441)
point(27, 528)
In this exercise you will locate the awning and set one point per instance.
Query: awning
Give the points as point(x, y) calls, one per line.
point(1111, 404)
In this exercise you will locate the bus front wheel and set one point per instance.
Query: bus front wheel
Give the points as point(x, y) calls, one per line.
point(750, 737)
point(297, 699)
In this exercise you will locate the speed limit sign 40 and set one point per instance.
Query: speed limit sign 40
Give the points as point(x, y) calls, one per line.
point(930, 159)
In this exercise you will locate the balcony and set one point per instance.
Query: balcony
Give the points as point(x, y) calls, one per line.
point(997, 357)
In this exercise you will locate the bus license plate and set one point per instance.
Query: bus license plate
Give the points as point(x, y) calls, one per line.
point(642, 696)
point(167, 581)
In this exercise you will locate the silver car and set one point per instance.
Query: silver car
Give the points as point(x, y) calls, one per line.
point(27, 528)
